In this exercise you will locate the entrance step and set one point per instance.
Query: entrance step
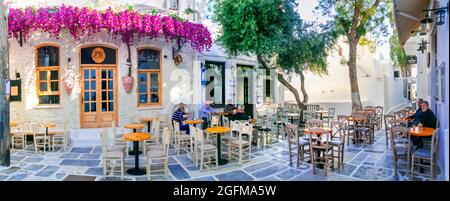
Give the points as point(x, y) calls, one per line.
point(88, 137)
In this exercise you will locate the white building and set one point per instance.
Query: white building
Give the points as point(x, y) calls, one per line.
point(76, 77)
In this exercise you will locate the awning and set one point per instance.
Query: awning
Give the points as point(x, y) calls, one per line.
point(407, 14)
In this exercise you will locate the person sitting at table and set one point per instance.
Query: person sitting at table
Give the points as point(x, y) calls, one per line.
point(229, 108)
point(205, 112)
point(179, 116)
point(417, 116)
point(240, 115)
point(428, 120)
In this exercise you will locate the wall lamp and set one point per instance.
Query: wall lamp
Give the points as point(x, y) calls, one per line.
point(438, 12)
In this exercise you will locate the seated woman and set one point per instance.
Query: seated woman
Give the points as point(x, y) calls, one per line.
point(179, 116)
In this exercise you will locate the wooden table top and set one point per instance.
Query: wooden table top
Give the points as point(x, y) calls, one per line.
point(134, 126)
point(424, 132)
point(218, 130)
point(411, 112)
point(293, 114)
point(13, 123)
point(196, 121)
point(318, 131)
point(222, 113)
point(136, 136)
point(357, 118)
point(149, 119)
point(50, 125)
point(321, 111)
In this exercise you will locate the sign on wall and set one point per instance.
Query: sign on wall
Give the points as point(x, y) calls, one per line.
point(15, 90)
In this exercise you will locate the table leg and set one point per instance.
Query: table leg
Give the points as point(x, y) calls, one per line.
point(148, 126)
point(136, 170)
point(219, 152)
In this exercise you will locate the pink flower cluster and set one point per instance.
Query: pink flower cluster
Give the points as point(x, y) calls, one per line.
point(127, 24)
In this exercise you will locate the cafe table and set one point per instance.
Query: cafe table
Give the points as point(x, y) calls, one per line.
point(136, 138)
point(218, 130)
point(318, 132)
point(321, 112)
point(193, 122)
point(149, 121)
point(134, 127)
point(417, 132)
point(13, 124)
point(292, 116)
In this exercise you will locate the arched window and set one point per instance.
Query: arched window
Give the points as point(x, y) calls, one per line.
point(149, 77)
point(47, 74)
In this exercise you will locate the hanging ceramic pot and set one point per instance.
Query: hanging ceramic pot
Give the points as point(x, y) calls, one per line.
point(127, 82)
point(68, 86)
point(178, 59)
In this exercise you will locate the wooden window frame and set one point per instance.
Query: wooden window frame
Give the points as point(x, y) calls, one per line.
point(148, 72)
point(47, 69)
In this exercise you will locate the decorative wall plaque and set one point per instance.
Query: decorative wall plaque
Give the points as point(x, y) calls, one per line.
point(98, 55)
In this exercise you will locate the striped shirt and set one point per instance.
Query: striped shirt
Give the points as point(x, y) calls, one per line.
point(178, 116)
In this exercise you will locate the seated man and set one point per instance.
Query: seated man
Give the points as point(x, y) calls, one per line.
point(205, 112)
point(229, 108)
point(179, 116)
point(428, 120)
point(416, 117)
point(240, 115)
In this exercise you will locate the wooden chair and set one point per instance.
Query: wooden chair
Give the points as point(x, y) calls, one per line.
point(329, 116)
point(40, 137)
point(239, 145)
point(111, 156)
point(347, 130)
point(338, 140)
point(154, 131)
point(322, 153)
point(204, 149)
point(215, 120)
point(159, 155)
point(118, 139)
point(235, 130)
point(388, 119)
point(61, 138)
point(370, 124)
point(360, 130)
point(379, 116)
point(18, 137)
point(399, 144)
point(426, 154)
point(181, 138)
point(295, 143)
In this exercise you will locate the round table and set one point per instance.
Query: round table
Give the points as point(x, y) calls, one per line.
point(321, 112)
point(193, 122)
point(292, 116)
point(318, 132)
point(136, 138)
point(149, 120)
point(13, 124)
point(219, 130)
point(134, 127)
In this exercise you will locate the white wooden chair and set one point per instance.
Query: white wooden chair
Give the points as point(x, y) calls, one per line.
point(182, 140)
point(110, 156)
point(237, 147)
point(203, 149)
point(118, 138)
point(60, 138)
point(159, 154)
point(235, 129)
point(18, 137)
point(40, 137)
point(215, 120)
point(155, 140)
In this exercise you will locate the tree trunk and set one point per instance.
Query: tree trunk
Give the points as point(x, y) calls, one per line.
point(4, 104)
point(288, 85)
point(302, 88)
point(353, 75)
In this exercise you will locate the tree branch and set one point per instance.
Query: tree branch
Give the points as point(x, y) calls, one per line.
point(366, 15)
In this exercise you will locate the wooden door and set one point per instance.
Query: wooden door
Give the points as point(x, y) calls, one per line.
point(98, 96)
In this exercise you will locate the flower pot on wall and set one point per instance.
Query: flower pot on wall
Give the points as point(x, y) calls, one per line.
point(177, 59)
point(68, 86)
point(127, 82)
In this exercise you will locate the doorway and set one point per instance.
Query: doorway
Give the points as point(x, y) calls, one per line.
point(244, 88)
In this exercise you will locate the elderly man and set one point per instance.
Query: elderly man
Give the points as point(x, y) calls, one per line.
point(428, 120)
point(205, 112)
point(240, 115)
point(180, 115)
point(417, 116)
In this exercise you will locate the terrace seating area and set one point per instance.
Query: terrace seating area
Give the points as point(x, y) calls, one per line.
point(364, 145)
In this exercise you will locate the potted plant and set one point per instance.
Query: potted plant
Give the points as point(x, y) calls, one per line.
point(128, 80)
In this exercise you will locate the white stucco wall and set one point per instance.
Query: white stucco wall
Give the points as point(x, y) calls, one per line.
point(375, 78)
point(176, 88)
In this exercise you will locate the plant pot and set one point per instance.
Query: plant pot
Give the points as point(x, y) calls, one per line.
point(127, 82)
point(178, 59)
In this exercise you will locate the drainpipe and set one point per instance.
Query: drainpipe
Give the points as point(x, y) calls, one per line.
point(4, 97)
